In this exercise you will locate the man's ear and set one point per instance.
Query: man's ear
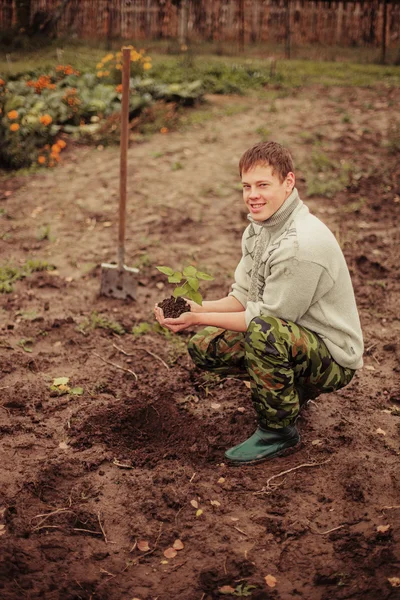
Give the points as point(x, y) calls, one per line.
point(290, 181)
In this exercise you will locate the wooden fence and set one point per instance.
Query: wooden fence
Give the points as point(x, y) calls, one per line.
point(345, 23)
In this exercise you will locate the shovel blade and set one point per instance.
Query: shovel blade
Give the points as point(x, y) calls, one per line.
point(116, 283)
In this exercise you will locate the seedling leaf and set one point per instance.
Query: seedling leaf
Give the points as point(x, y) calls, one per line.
point(76, 391)
point(166, 270)
point(60, 381)
point(176, 277)
point(190, 271)
point(181, 291)
point(194, 283)
point(196, 297)
point(205, 276)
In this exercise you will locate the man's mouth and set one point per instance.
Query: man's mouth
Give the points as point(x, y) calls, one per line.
point(256, 205)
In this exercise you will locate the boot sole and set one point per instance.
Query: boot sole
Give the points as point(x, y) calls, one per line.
point(284, 452)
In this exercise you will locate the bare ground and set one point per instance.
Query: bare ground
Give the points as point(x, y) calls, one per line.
point(85, 478)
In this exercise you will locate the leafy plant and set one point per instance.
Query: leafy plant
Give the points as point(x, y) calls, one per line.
point(60, 387)
point(189, 279)
point(9, 274)
point(96, 321)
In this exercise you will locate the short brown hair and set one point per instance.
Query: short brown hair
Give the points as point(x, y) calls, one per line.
point(268, 153)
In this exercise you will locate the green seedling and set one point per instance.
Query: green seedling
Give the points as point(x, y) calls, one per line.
point(141, 328)
point(9, 274)
point(96, 321)
point(60, 387)
point(25, 344)
point(189, 278)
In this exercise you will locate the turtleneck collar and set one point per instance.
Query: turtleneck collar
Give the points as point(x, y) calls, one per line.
point(280, 216)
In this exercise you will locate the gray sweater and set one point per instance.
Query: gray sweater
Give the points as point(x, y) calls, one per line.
point(293, 268)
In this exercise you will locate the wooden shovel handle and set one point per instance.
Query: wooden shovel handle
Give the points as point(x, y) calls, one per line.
point(126, 55)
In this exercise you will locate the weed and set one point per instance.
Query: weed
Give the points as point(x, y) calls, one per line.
point(9, 274)
point(346, 119)
point(44, 233)
point(141, 328)
point(263, 132)
point(96, 321)
point(327, 177)
point(354, 207)
point(176, 166)
point(26, 344)
point(393, 138)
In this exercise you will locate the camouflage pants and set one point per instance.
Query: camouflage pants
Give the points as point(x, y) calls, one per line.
point(286, 364)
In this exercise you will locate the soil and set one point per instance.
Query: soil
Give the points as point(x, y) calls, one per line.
point(136, 455)
point(174, 307)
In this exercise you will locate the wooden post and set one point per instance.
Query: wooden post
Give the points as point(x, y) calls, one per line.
point(287, 40)
point(183, 22)
point(384, 23)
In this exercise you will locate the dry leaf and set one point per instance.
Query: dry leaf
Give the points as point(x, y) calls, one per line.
point(247, 384)
point(370, 368)
point(270, 580)
point(215, 503)
point(199, 512)
point(215, 406)
point(226, 589)
point(235, 519)
point(164, 562)
point(170, 553)
point(394, 581)
point(143, 545)
point(221, 480)
point(380, 431)
point(383, 528)
point(2, 529)
point(63, 445)
point(178, 545)
point(316, 443)
point(194, 503)
point(241, 409)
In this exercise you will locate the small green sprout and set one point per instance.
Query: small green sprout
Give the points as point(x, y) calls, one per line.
point(189, 278)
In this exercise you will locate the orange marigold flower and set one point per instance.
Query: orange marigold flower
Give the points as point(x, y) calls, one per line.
point(55, 156)
point(14, 127)
point(164, 130)
point(68, 70)
point(46, 120)
point(2, 82)
point(41, 160)
point(55, 149)
point(13, 114)
point(61, 144)
point(119, 88)
point(147, 66)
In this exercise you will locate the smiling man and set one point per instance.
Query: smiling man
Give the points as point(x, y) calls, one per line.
point(290, 323)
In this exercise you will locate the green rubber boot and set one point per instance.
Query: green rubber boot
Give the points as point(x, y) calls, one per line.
point(263, 445)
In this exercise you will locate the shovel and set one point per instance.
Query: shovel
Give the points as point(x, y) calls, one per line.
point(117, 280)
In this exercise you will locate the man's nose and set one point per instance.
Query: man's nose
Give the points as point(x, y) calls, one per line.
point(254, 193)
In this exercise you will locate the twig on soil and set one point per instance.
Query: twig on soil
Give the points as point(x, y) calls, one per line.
point(47, 515)
point(390, 507)
point(107, 573)
point(328, 531)
point(144, 350)
point(102, 528)
point(118, 464)
point(87, 531)
point(116, 366)
point(268, 487)
point(5, 387)
point(176, 567)
point(240, 531)
point(192, 477)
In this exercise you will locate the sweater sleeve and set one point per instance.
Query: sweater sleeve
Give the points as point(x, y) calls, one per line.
point(291, 288)
point(240, 287)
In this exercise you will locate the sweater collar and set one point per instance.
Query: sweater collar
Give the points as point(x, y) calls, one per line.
point(280, 216)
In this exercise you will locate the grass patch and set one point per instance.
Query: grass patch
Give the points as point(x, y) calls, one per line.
point(327, 177)
point(96, 321)
point(9, 274)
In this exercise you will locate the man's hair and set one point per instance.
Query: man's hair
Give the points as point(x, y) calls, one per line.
point(268, 153)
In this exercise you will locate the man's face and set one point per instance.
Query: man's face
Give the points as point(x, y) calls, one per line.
point(263, 192)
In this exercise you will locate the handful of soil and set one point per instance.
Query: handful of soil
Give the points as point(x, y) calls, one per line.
point(174, 307)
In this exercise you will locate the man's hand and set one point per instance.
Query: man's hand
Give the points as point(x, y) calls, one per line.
point(184, 321)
